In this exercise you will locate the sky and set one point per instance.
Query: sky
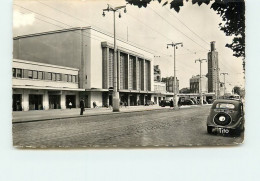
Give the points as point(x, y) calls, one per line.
point(150, 28)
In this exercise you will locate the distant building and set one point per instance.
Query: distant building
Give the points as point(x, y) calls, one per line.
point(157, 73)
point(213, 69)
point(195, 84)
point(170, 84)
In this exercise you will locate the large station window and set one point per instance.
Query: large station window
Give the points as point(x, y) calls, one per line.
point(72, 99)
point(30, 74)
point(17, 72)
point(40, 75)
point(49, 76)
point(35, 102)
point(35, 74)
point(58, 77)
point(54, 102)
point(17, 102)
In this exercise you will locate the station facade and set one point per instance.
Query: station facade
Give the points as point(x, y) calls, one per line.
point(51, 69)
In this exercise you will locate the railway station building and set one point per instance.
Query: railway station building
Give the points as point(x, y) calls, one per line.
point(51, 69)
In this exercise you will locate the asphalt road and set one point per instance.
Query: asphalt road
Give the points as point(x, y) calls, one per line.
point(184, 127)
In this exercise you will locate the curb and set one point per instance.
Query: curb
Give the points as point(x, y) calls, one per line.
point(77, 116)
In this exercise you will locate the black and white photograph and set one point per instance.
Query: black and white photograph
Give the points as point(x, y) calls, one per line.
point(128, 73)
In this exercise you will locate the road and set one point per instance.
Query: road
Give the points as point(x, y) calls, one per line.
point(184, 127)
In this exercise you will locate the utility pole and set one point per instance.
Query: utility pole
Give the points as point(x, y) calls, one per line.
point(200, 85)
point(115, 77)
point(224, 80)
point(175, 45)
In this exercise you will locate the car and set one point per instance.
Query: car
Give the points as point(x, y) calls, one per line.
point(164, 103)
point(226, 117)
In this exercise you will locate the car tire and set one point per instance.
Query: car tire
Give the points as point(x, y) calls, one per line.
point(209, 129)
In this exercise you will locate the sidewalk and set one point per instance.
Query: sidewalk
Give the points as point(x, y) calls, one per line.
point(30, 116)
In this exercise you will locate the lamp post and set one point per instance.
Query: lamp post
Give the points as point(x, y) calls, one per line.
point(200, 85)
point(224, 80)
point(115, 77)
point(175, 46)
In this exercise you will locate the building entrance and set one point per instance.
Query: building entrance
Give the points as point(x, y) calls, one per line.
point(72, 99)
point(35, 102)
point(17, 102)
point(54, 102)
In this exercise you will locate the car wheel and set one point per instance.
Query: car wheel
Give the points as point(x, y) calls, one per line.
point(209, 129)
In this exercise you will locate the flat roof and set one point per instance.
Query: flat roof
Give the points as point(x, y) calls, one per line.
point(74, 29)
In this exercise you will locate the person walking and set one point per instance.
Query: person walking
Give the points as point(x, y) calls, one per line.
point(70, 104)
point(82, 106)
point(171, 104)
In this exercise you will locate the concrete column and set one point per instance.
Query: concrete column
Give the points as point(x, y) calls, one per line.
point(118, 69)
point(77, 99)
point(25, 100)
point(144, 78)
point(63, 100)
point(45, 100)
point(128, 100)
point(107, 69)
point(128, 70)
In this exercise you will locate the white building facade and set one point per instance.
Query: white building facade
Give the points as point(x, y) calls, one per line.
point(78, 62)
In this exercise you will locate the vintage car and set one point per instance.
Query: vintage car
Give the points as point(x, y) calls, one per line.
point(226, 117)
point(164, 103)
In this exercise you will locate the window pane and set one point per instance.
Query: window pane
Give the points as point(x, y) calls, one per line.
point(49, 76)
point(66, 78)
point(40, 75)
point(225, 105)
point(35, 74)
point(53, 77)
point(14, 72)
point(58, 77)
point(30, 74)
point(74, 78)
point(69, 78)
point(19, 73)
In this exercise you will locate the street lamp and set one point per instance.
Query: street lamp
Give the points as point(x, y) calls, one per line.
point(175, 45)
point(200, 85)
point(115, 88)
point(224, 80)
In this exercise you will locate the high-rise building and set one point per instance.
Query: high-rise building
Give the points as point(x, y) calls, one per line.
point(170, 84)
point(213, 69)
point(195, 84)
point(157, 73)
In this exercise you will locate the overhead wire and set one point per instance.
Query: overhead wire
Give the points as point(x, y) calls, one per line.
point(177, 29)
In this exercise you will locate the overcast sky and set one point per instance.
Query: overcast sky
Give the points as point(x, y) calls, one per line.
point(151, 28)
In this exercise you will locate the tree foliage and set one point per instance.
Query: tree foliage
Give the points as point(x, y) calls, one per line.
point(232, 13)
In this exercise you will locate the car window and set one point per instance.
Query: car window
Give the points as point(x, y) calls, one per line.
point(225, 106)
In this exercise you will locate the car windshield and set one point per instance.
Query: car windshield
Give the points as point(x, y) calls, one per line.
point(225, 106)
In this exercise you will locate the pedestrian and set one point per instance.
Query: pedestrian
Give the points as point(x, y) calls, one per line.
point(82, 106)
point(171, 104)
point(125, 103)
point(70, 104)
point(94, 104)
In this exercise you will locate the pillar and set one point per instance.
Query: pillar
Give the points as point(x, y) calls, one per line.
point(25, 100)
point(63, 100)
point(45, 100)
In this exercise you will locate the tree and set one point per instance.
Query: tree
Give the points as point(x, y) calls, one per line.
point(232, 13)
point(185, 90)
point(237, 90)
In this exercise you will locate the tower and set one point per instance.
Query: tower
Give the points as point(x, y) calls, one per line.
point(213, 69)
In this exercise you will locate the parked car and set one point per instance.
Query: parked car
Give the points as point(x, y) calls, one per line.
point(183, 101)
point(165, 103)
point(226, 117)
